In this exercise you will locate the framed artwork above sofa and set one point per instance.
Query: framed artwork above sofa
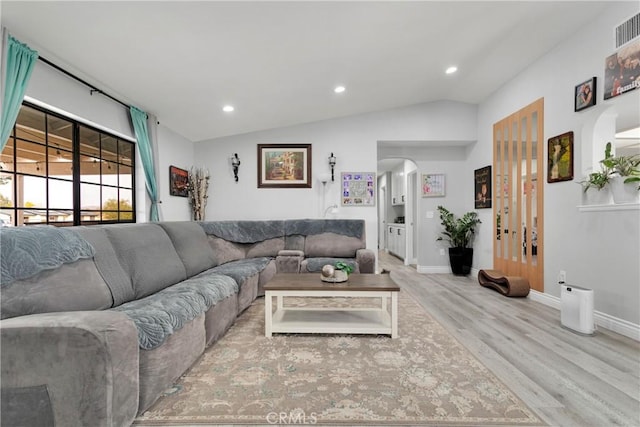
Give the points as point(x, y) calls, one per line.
point(284, 165)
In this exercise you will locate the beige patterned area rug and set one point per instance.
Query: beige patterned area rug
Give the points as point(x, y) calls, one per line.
point(423, 377)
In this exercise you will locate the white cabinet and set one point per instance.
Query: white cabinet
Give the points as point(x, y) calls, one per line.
point(396, 240)
point(398, 186)
point(391, 239)
point(401, 241)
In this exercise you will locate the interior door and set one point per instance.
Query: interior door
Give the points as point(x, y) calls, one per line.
point(518, 196)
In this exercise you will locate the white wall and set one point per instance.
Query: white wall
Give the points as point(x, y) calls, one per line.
point(598, 250)
point(60, 93)
point(71, 98)
point(353, 140)
point(173, 150)
point(458, 189)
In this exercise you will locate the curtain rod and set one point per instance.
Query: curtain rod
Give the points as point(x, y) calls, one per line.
point(93, 88)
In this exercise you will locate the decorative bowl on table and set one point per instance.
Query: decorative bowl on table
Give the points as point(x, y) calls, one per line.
point(333, 275)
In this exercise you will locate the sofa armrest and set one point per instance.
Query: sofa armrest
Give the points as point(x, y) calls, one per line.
point(366, 259)
point(69, 369)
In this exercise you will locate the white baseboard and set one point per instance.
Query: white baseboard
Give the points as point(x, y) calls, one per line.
point(620, 326)
point(441, 269)
point(433, 269)
point(545, 299)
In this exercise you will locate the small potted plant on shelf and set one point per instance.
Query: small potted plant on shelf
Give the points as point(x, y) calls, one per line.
point(459, 232)
point(596, 187)
point(624, 176)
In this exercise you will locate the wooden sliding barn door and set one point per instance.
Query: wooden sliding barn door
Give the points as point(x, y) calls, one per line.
point(518, 203)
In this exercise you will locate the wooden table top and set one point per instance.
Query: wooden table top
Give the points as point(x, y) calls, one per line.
point(312, 282)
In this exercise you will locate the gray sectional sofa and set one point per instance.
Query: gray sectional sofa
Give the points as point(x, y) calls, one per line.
point(98, 321)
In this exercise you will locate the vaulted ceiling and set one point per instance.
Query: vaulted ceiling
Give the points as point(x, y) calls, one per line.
point(277, 63)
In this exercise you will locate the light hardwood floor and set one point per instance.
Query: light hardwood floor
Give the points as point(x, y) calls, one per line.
point(566, 378)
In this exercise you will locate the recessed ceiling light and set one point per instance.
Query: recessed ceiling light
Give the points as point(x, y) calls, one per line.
point(451, 70)
point(339, 89)
point(228, 108)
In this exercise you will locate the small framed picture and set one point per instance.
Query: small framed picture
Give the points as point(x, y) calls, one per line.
point(585, 94)
point(433, 185)
point(358, 189)
point(482, 187)
point(178, 182)
point(560, 158)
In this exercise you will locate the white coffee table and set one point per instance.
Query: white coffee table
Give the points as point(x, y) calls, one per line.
point(336, 320)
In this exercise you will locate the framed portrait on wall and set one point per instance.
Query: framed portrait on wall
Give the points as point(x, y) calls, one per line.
point(621, 73)
point(585, 95)
point(482, 187)
point(560, 158)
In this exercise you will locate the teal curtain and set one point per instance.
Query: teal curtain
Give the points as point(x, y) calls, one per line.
point(139, 120)
point(20, 60)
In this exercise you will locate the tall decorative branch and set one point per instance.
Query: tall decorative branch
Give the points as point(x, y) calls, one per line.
point(197, 190)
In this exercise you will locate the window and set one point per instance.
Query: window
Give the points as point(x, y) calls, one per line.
point(55, 170)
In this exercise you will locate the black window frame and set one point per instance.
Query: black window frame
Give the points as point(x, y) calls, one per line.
point(49, 212)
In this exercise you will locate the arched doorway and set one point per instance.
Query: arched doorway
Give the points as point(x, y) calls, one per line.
point(397, 185)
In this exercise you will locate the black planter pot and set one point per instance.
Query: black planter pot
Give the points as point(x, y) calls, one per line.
point(461, 260)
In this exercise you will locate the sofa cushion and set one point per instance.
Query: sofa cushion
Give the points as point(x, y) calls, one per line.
point(294, 242)
point(269, 247)
point(244, 231)
point(332, 245)
point(190, 241)
point(26, 251)
point(307, 227)
point(107, 263)
point(224, 251)
point(71, 287)
point(146, 253)
point(242, 269)
point(161, 314)
point(313, 265)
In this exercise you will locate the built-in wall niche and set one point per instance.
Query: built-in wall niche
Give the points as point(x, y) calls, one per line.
point(627, 142)
point(617, 123)
point(398, 214)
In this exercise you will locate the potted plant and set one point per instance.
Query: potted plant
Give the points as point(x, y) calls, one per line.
point(347, 268)
point(624, 176)
point(596, 187)
point(459, 232)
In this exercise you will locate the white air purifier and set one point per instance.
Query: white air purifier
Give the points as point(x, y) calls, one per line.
point(576, 309)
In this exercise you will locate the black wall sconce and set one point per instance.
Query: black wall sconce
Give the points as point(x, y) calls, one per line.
point(235, 162)
point(332, 163)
